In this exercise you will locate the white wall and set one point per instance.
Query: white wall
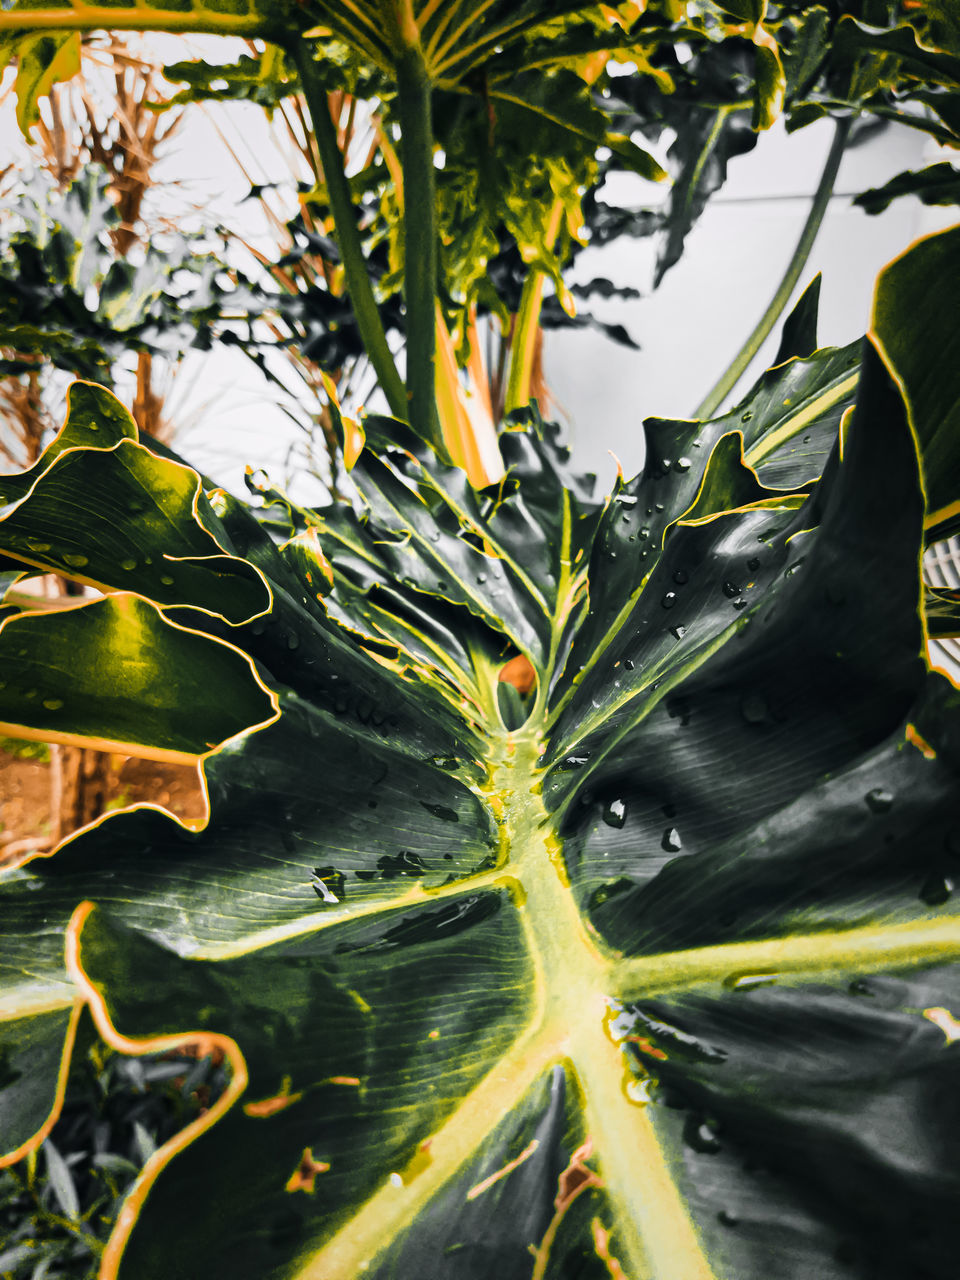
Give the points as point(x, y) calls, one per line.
point(691, 327)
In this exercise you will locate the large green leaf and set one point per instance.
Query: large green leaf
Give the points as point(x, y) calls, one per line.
point(660, 981)
point(916, 285)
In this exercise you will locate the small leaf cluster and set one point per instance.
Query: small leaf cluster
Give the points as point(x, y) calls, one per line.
point(58, 1206)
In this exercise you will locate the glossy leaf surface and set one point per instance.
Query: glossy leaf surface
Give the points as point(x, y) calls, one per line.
point(643, 968)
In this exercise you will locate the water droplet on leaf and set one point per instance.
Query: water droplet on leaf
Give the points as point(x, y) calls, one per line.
point(879, 800)
point(936, 889)
point(749, 981)
point(702, 1137)
point(128, 565)
point(53, 704)
point(681, 577)
point(678, 632)
point(731, 589)
point(669, 600)
point(445, 762)
point(75, 561)
point(615, 813)
point(671, 842)
point(441, 811)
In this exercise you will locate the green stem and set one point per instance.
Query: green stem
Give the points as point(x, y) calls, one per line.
point(719, 392)
point(524, 342)
point(420, 241)
point(527, 324)
point(348, 236)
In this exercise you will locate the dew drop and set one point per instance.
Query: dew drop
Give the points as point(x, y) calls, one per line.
point(745, 417)
point(749, 981)
point(575, 762)
point(879, 800)
point(53, 704)
point(638, 1091)
point(615, 813)
point(30, 693)
point(645, 531)
point(671, 842)
point(701, 1137)
point(753, 565)
point(681, 577)
point(441, 811)
point(678, 632)
point(293, 640)
point(128, 565)
point(626, 499)
point(628, 664)
point(727, 1219)
point(740, 603)
point(658, 506)
point(936, 889)
point(481, 579)
point(166, 580)
point(669, 600)
point(682, 464)
point(445, 762)
point(75, 561)
point(730, 589)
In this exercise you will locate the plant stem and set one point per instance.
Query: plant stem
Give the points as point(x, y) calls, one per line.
point(721, 389)
point(348, 237)
point(420, 240)
point(528, 322)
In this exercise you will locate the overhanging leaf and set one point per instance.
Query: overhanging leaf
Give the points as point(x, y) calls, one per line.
point(937, 185)
point(917, 285)
point(116, 673)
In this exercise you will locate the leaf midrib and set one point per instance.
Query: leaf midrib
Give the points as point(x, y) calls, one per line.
point(575, 978)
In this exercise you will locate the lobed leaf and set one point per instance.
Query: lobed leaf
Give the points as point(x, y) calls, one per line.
point(648, 969)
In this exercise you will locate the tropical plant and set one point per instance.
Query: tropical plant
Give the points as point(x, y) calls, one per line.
point(576, 894)
point(683, 904)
